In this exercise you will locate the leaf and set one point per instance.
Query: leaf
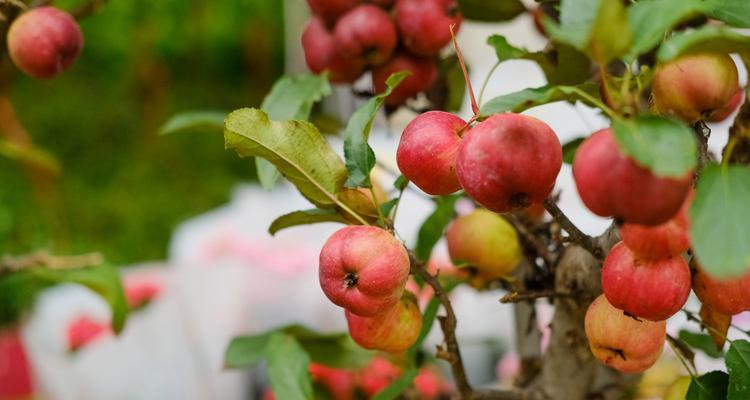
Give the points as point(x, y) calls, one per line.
point(304, 217)
point(288, 365)
point(569, 149)
point(528, 98)
point(720, 228)
point(733, 12)
point(701, 342)
point(191, 121)
point(394, 390)
point(455, 85)
point(296, 148)
point(686, 353)
point(738, 366)
point(388, 206)
point(339, 351)
point(710, 386)
point(432, 229)
point(245, 351)
point(267, 173)
point(360, 159)
point(491, 11)
point(665, 146)
point(401, 183)
point(30, 154)
point(707, 39)
point(718, 323)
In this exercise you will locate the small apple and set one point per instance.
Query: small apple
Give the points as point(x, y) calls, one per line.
point(730, 297)
point(734, 103)
point(679, 389)
point(83, 331)
point(377, 375)
point(393, 331)
point(340, 383)
point(330, 10)
point(661, 241)
point(366, 32)
point(423, 74)
point(425, 25)
point(321, 54)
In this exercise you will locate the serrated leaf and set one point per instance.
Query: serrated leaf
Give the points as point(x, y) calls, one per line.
point(192, 121)
point(570, 148)
point(710, 386)
point(360, 159)
point(706, 39)
point(296, 148)
point(701, 342)
point(738, 366)
point(720, 222)
point(665, 146)
point(717, 325)
point(288, 365)
point(394, 390)
point(245, 351)
point(304, 217)
point(491, 11)
point(528, 98)
point(432, 229)
point(733, 12)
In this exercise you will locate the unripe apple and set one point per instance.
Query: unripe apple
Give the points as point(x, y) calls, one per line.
point(728, 297)
point(393, 331)
point(661, 241)
point(427, 152)
point(321, 54)
point(340, 383)
point(424, 73)
point(732, 106)
point(44, 42)
point(509, 161)
point(330, 10)
point(485, 241)
point(649, 289)
point(363, 269)
point(622, 342)
point(424, 25)
point(695, 86)
point(366, 32)
point(613, 185)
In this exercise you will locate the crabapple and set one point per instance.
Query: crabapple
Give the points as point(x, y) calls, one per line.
point(728, 297)
point(649, 289)
point(366, 32)
point(729, 108)
point(84, 330)
point(341, 383)
point(424, 25)
point(613, 185)
point(377, 375)
point(363, 269)
point(330, 10)
point(321, 54)
point(381, 3)
point(44, 42)
point(393, 331)
point(427, 151)
point(424, 73)
point(661, 241)
point(621, 342)
point(509, 161)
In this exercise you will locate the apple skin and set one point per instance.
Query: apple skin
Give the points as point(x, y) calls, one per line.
point(424, 73)
point(321, 54)
point(678, 389)
point(733, 104)
point(486, 241)
point(648, 289)
point(340, 383)
point(613, 185)
point(393, 331)
point(424, 25)
point(696, 86)
point(661, 241)
point(44, 41)
point(381, 3)
point(728, 297)
point(366, 32)
point(622, 342)
point(427, 151)
point(509, 161)
point(330, 10)
point(363, 269)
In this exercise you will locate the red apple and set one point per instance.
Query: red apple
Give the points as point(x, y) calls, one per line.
point(321, 54)
point(427, 152)
point(16, 371)
point(330, 10)
point(429, 385)
point(622, 342)
point(424, 25)
point(377, 375)
point(734, 103)
point(424, 73)
point(661, 241)
point(731, 296)
point(381, 3)
point(649, 289)
point(84, 330)
point(509, 161)
point(341, 383)
point(366, 32)
point(613, 185)
point(393, 331)
point(364, 269)
point(695, 86)
point(44, 42)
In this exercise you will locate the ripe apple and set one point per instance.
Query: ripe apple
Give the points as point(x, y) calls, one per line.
point(485, 241)
point(366, 32)
point(728, 297)
point(340, 383)
point(424, 73)
point(509, 161)
point(381, 3)
point(649, 289)
point(695, 86)
point(393, 331)
point(363, 269)
point(661, 241)
point(377, 375)
point(733, 104)
point(330, 10)
point(44, 42)
point(613, 185)
point(427, 152)
point(622, 342)
point(424, 25)
point(321, 54)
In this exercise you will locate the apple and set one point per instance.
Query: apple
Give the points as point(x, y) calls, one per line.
point(321, 54)
point(366, 32)
point(381, 3)
point(423, 74)
point(377, 375)
point(734, 103)
point(83, 331)
point(726, 296)
point(424, 25)
point(678, 389)
point(661, 241)
point(393, 331)
point(509, 161)
point(340, 383)
point(44, 42)
point(330, 10)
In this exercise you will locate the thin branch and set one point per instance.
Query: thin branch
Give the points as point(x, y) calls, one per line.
point(517, 297)
point(579, 238)
point(531, 240)
point(88, 8)
point(702, 133)
point(46, 260)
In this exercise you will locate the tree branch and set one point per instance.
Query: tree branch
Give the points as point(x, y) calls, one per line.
point(46, 260)
point(579, 238)
point(531, 240)
point(737, 150)
point(517, 297)
point(702, 133)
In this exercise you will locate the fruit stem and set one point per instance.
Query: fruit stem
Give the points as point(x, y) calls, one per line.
point(606, 95)
point(474, 105)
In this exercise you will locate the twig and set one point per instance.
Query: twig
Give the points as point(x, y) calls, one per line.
point(44, 259)
point(517, 297)
point(531, 240)
point(702, 133)
point(580, 238)
point(88, 8)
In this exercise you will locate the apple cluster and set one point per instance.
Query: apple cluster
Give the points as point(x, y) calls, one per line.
point(349, 37)
point(44, 41)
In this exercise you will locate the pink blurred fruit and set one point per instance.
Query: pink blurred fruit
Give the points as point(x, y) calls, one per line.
point(424, 25)
point(393, 331)
point(341, 383)
point(321, 54)
point(729, 297)
point(377, 375)
point(83, 331)
point(423, 74)
point(366, 32)
point(330, 10)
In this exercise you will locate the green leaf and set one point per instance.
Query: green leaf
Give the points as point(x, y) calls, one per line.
point(31, 154)
point(569, 149)
point(701, 342)
point(733, 12)
point(707, 39)
point(304, 217)
point(710, 386)
point(720, 227)
point(288, 365)
point(401, 183)
point(388, 206)
point(192, 121)
point(360, 159)
point(665, 146)
point(432, 229)
point(339, 351)
point(455, 85)
point(738, 366)
point(528, 98)
point(268, 175)
point(491, 11)
point(653, 19)
point(394, 390)
point(245, 351)
point(296, 148)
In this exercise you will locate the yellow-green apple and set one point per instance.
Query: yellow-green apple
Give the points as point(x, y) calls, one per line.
point(366, 32)
point(392, 331)
point(678, 389)
point(423, 74)
point(425, 25)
